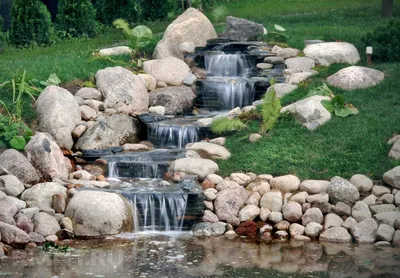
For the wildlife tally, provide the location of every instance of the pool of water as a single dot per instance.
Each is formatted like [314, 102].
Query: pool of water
[181, 255]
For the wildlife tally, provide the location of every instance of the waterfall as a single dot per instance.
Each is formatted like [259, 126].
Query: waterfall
[171, 136]
[230, 65]
[158, 211]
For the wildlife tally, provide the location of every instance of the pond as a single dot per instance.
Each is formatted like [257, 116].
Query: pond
[181, 255]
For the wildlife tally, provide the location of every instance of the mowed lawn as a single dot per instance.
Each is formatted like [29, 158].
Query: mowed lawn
[344, 146]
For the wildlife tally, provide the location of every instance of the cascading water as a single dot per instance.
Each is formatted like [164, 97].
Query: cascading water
[158, 211]
[227, 84]
[167, 136]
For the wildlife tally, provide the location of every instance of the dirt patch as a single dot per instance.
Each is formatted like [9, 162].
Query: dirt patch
[73, 87]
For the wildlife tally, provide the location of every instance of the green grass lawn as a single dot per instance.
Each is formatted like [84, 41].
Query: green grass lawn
[344, 146]
[356, 144]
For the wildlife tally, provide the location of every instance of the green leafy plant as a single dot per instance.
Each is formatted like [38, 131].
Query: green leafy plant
[20, 89]
[337, 105]
[52, 80]
[323, 90]
[13, 134]
[110, 10]
[30, 23]
[52, 247]
[277, 35]
[139, 37]
[270, 111]
[77, 18]
[225, 124]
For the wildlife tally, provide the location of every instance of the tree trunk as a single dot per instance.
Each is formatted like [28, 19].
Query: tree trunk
[387, 8]
[5, 13]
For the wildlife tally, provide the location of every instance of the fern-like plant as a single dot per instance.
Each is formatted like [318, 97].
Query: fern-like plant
[270, 110]
[139, 37]
[225, 124]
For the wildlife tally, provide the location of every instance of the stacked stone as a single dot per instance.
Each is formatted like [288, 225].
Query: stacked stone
[283, 207]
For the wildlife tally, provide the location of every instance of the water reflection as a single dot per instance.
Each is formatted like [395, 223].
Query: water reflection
[184, 256]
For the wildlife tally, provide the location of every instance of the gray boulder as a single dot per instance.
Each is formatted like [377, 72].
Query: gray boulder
[332, 220]
[361, 211]
[40, 195]
[299, 64]
[11, 235]
[95, 213]
[392, 177]
[239, 29]
[365, 231]
[89, 93]
[7, 207]
[191, 26]
[202, 229]
[210, 150]
[385, 232]
[395, 150]
[389, 217]
[45, 224]
[282, 89]
[313, 229]
[218, 228]
[18, 165]
[11, 185]
[292, 211]
[118, 50]
[382, 208]
[329, 53]
[46, 156]
[287, 183]
[176, 99]
[335, 234]
[171, 70]
[122, 90]
[195, 166]
[249, 212]
[109, 131]
[314, 186]
[209, 216]
[312, 215]
[356, 77]
[228, 204]
[340, 190]
[309, 112]
[361, 182]
[58, 114]
[272, 200]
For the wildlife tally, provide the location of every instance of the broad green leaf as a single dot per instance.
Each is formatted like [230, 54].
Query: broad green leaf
[338, 101]
[279, 28]
[328, 105]
[18, 142]
[142, 31]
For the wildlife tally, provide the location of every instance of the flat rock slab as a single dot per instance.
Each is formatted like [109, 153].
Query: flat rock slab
[355, 77]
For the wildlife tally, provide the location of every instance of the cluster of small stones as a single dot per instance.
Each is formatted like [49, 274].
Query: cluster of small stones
[283, 207]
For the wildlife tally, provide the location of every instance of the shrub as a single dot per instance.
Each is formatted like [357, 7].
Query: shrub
[30, 23]
[139, 37]
[154, 9]
[110, 10]
[386, 42]
[77, 18]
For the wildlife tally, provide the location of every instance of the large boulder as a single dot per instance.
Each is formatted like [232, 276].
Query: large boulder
[95, 213]
[287, 183]
[272, 200]
[58, 114]
[335, 234]
[210, 150]
[299, 64]
[340, 190]
[292, 212]
[170, 70]
[365, 231]
[314, 186]
[11, 185]
[109, 131]
[309, 112]
[11, 235]
[45, 224]
[282, 89]
[240, 29]
[392, 177]
[355, 77]
[329, 53]
[18, 165]
[191, 26]
[176, 99]
[195, 166]
[46, 156]
[228, 204]
[122, 90]
[41, 194]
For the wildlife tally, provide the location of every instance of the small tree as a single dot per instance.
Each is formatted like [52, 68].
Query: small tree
[31, 22]
[77, 18]
[110, 10]
[387, 8]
